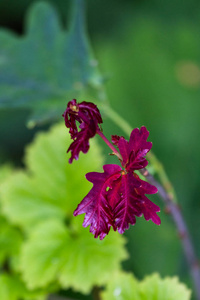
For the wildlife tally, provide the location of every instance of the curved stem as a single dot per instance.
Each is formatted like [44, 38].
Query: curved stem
[182, 229]
[109, 144]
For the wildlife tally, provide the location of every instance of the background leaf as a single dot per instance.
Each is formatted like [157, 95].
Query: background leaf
[50, 187]
[12, 288]
[123, 286]
[153, 287]
[48, 65]
[70, 255]
[10, 240]
[10, 237]
[41, 200]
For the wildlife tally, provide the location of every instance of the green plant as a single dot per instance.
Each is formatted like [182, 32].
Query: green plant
[44, 249]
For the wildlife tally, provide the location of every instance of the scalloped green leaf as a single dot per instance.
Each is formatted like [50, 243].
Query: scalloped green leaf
[48, 65]
[50, 187]
[123, 286]
[70, 255]
[41, 200]
[170, 288]
[12, 288]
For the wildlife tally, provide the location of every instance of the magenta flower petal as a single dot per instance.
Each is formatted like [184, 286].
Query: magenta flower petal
[98, 213]
[115, 200]
[138, 139]
[149, 210]
[123, 146]
[126, 210]
[138, 147]
[133, 202]
[71, 116]
[89, 110]
[146, 187]
[81, 142]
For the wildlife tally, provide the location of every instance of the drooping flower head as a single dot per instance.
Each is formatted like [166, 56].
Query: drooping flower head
[118, 194]
[88, 116]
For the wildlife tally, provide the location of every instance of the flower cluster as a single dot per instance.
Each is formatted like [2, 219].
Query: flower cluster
[118, 194]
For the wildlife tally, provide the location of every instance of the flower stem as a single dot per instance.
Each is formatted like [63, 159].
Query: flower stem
[182, 229]
[109, 144]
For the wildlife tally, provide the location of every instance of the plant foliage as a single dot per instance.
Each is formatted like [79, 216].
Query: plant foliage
[40, 200]
[47, 65]
[43, 248]
[124, 286]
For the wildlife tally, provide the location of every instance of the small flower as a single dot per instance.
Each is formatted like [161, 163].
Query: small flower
[118, 195]
[88, 116]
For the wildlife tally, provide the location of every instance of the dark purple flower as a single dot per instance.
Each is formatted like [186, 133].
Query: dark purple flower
[118, 195]
[88, 116]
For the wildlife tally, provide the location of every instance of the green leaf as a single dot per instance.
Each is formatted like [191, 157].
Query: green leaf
[70, 255]
[124, 286]
[12, 288]
[10, 240]
[10, 237]
[41, 200]
[5, 171]
[50, 187]
[48, 66]
[169, 288]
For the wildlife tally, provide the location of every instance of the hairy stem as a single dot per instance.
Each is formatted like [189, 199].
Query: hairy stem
[182, 229]
[109, 144]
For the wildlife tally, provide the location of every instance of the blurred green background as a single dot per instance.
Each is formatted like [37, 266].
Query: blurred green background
[149, 54]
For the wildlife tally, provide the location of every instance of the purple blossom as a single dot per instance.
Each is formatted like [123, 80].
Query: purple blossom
[118, 195]
[88, 116]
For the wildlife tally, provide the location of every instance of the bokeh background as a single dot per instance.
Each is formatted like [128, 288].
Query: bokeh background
[149, 55]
